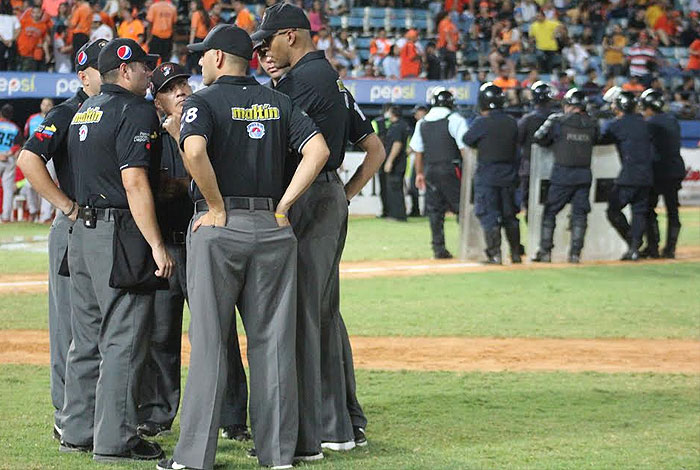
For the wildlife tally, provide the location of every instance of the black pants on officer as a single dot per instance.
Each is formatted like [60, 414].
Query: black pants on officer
[558, 196]
[525, 193]
[638, 198]
[414, 194]
[495, 207]
[395, 200]
[441, 195]
[669, 191]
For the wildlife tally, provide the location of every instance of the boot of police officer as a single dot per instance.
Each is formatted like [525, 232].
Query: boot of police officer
[49, 143]
[494, 134]
[437, 143]
[631, 135]
[542, 95]
[572, 136]
[669, 171]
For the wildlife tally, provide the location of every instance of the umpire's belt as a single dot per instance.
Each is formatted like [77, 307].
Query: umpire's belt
[327, 176]
[101, 214]
[247, 203]
[176, 238]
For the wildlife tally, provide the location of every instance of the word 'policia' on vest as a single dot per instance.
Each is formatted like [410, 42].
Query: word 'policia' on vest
[257, 112]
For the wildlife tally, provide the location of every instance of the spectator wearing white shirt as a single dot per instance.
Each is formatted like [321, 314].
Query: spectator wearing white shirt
[391, 65]
[100, 30]
[9, 30]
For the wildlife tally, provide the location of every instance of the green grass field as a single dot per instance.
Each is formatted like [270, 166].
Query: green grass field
[445, 420]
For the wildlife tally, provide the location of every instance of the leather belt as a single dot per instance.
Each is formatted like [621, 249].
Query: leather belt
[247, 203]
[104, 215]
[177, 238]
[327, 176]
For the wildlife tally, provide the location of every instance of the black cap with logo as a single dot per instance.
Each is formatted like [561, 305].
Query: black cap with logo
[88, 54]
[281, 16]
[228, 38]
[164, 74]
[123, 51]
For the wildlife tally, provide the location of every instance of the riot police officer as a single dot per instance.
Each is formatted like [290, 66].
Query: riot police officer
[572, 136]
[495, 135]
[542, 94]
[439, 148]
[395, 165]
[669, 171]
[630, 134]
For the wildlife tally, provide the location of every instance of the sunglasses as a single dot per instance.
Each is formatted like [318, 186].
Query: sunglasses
[268, 41]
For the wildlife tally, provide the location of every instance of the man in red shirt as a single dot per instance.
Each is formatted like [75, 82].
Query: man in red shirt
[694, 59]
[33, 40]
[447, 45]
[410, 59]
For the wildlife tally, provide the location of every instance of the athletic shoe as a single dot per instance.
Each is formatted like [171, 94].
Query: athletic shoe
[71, 448]
[237, 432]
[360, 438]
[251, 453]
[57, 433]
[143, 450]
[442, 254]
[280, 467]
[338, 446]
[151, 429]
[308, 457]
[170, 464]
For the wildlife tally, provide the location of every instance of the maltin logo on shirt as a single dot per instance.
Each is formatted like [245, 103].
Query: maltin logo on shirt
[90, 115]
[256, 130]
[257, 112]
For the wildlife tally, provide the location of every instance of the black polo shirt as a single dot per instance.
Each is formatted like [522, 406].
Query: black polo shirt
[174, 206]
[249, 129]
[50, 142]
[110, 132]
[400, 132]
[317, 89]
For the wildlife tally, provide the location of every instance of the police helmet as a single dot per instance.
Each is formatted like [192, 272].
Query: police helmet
[443, 98]
[625, 102]
[576, 98]
[491, 97]
[542, 92]
[652, 99]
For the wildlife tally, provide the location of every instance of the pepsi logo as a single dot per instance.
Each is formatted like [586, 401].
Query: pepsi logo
[124, 52]
[82, 58]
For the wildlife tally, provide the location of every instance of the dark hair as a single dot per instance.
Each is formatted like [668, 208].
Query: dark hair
[395, 111]
[202, 11]
[7, 111]
[6, 8]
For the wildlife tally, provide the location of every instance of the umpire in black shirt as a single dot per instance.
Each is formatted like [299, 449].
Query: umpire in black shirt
[669, 171]
[320, 224]
[395, 142]
[630, 134]
[117, 257]
[572, 136]
[241, 249]
[495, 135]
[50, 143]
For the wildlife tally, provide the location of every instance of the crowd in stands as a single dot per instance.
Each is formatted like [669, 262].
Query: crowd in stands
[591, 43]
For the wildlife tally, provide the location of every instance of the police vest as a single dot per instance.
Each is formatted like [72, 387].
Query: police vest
[440, 147]
[574, 145]
[499, 144]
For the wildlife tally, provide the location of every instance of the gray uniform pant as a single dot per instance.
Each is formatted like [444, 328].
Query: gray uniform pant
[159, 396]
[234, 410]
[250, 262]
[319, 218]
[7, 172]
[110, 342]
[60, 335]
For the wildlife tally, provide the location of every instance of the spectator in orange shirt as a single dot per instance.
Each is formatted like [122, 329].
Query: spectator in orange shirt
[447, 44]
[244, 18]
[130, 27]
[81, 25]
[457, 5]
[634, 85]
[161, 16]
[33, 40]
[410, 58]
[200, 24]
[694, 56]
[379, 47]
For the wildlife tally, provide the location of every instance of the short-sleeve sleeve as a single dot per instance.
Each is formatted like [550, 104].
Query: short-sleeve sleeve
[417, 139]
[47, 138]
[301, 129]
[197, 119]
[136, 135]
[360, 126]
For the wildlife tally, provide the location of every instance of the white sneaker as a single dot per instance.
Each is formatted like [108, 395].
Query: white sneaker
[338, 446]
[281, 466]
[308, 458]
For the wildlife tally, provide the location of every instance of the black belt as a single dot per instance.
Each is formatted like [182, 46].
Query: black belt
[247, 203]
[176, 238]
[100, 214]
[327, 176]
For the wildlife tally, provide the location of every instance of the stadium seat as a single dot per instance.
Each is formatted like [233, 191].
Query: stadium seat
[357, 13]
[421, 25]
[397, 23]
[399, 12]
[336, 22]
[377, 22]
[363, 42]
[364, 54]
[419, 14]
[667, 51]
[377, 12]
[355, 23]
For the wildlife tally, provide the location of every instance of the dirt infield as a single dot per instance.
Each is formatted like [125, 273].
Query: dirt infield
[458, 354]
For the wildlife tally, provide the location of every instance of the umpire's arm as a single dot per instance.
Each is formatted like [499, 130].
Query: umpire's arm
[198, 164]
[373, 160]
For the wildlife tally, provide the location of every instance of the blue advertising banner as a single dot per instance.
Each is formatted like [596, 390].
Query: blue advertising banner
[55, 85]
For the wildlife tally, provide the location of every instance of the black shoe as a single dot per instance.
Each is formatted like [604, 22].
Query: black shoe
[57, 432]
[631, 255]
[237, 432]
[414, 214]
[543, 257]
[649, 252]
[143, 450]
[574, 259]
[71, 448]
[251, 453]
[442, 254]
[170, 464]
[668, 254]
[516, 259]
[493, 259]
[360, 438]
[151, 429]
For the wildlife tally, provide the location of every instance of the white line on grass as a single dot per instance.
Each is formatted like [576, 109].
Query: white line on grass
[415, 267]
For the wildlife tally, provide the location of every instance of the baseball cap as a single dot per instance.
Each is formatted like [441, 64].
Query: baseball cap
[281, 16]
[227, 38]
[88, 54]
[123, 51]
[165, 73]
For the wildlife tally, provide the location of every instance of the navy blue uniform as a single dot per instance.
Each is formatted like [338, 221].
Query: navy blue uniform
[669, 171]
[632, 137]
[394, 199]
[572, 137]
[527, 126]
[495, 136]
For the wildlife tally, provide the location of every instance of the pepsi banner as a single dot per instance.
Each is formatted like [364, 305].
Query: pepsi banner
[54, 85]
